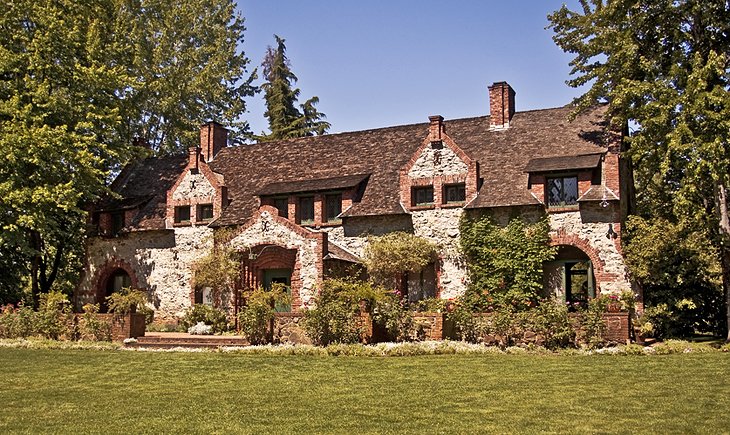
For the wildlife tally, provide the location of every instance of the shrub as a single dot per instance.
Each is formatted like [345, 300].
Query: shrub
[55, 318]
[394, 316]
[431, 305]
[126, 301]
[255, 319]
[213, 317]
[18, 322]
[336, 316]
[91, 327]
[592, 326]
[200, 328]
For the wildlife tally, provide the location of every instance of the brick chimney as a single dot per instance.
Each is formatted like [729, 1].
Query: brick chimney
[436, 128]
[213, 138]
[501, 105]
[193, 159]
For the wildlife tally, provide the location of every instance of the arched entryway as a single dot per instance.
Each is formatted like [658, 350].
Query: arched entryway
[570, 276]
[265, 265]
[115, 282]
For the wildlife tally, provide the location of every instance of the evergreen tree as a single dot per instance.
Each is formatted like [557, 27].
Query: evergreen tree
[285, 119]
[665, 65]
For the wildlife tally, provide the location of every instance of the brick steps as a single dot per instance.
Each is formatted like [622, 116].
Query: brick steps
[172, 340]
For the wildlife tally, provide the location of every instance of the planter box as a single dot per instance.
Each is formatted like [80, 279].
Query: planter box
[126, 326]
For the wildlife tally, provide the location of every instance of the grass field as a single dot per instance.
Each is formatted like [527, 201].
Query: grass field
[66, 391]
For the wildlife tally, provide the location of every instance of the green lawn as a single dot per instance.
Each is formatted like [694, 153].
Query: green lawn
[64, 391]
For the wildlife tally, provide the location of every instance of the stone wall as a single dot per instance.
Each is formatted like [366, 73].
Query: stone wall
[194, 186]
[437, 161]
[161, 262]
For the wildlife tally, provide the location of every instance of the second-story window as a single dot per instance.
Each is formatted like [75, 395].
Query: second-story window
[305, 211]
[333, 207]
[182, 214]
[562, 191]
[454, 193]
[117, 222]
[282, 204]
[205, 212]
[422, 196]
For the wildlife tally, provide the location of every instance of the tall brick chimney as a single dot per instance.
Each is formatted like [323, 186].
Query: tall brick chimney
[213, 138]
[501, 105]
[193, 158]
[436, 127]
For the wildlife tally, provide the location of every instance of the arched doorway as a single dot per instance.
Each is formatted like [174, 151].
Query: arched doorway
[265, 265]
[570, 277]
[117, 280]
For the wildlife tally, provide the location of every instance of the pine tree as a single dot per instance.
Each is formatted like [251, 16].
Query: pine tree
[285, 119]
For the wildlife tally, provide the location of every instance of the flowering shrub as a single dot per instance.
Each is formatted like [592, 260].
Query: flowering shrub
[335, 318]
[208, 315]
[55, 319]
[126, 301]
[200, 328]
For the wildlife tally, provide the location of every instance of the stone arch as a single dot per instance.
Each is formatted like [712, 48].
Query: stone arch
[107, 271]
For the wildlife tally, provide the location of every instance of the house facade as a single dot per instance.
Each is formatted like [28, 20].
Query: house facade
[300, 210]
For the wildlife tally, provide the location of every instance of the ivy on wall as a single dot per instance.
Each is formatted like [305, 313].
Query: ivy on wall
[504, 263]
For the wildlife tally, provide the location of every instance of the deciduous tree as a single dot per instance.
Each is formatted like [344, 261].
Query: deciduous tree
[664, 65]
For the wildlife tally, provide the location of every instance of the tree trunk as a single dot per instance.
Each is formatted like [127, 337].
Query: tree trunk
[724, 228]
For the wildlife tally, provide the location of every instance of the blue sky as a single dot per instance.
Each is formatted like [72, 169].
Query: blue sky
[382, 63]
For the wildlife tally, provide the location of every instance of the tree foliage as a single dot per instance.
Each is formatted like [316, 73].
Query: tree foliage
[504, 263]
[389, 256]
[188, 67]
[286, 120]
[78, 80]
[665, 66]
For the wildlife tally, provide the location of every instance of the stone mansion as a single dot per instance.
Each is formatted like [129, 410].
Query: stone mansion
[300, 209]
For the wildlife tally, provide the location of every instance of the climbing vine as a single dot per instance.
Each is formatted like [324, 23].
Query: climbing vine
[505, 263]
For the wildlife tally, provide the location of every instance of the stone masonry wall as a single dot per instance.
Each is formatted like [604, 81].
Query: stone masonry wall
[194, 186]
[442, 161]
[161, 261]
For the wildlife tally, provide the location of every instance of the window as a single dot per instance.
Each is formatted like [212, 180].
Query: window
[282, 204]
[117, 222]
[562, 192]
[182, 214]
[422, 195]
[333, 204]
[306, 209]
[205, 212]
[454, 193]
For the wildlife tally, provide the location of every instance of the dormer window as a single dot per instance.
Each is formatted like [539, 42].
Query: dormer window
[333, 207]
[454, 193]
[182, 214]
[305, 210]
[422, 196]
[562, 191]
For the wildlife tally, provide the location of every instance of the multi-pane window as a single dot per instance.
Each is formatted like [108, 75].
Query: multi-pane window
[306, 209]
[182, 214]
[282, 204]
[454, 193]
[562, 191]
[422, 195]
[333, 207]
[205, 212]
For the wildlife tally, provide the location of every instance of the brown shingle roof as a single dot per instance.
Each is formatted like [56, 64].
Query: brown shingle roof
[291, 165]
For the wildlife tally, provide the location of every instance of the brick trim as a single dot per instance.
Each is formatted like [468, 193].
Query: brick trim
[104, 273]
[563, 238]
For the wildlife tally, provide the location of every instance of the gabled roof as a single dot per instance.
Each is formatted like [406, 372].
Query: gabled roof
[342, 160]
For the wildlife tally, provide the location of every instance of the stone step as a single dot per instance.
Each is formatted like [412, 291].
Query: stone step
[170, 340]
[189, 345]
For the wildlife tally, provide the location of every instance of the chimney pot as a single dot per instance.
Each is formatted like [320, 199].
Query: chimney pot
[213, 138]
[501, 105]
